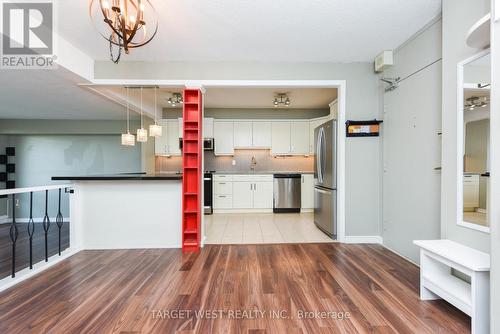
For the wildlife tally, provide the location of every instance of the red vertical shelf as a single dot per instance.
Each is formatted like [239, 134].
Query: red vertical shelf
[192, 174]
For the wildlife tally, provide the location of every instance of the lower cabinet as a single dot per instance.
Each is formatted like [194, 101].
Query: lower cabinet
[307, 192]
[244, 191]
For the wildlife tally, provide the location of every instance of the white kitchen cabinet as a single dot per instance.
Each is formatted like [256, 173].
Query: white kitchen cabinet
[261, 134]
[471, 191]
[224, 137]
[263, 195]
[208, 127]
[242, 195]
[307, 192]
[223, 192]
[299, 138]
[223, 202]
[168, 142]
[280, 138]
[173, 137]
[181, 127]
[243, 134]
[161, 144]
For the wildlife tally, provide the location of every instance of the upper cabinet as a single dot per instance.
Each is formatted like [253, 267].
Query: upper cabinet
[224, 137]
[168, 142]
[243, 134]
[208, 127]
[252, 134]
[280, 137]
[299, 137]
[261, 134]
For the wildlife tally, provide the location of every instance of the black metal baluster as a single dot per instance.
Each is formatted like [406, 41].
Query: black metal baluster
[13, 235]
[46, 225]
[31, 229]
[59, 221]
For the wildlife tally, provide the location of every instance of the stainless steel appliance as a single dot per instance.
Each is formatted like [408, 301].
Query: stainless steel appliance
[325, 177]
[208, 195]
[287, 193]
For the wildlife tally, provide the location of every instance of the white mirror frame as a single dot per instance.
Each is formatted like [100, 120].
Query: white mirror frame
[460, 144]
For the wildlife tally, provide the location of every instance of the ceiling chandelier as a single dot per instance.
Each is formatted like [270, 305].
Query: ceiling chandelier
[175, 99]
[125, 21]
[474, 102]
[281, 99]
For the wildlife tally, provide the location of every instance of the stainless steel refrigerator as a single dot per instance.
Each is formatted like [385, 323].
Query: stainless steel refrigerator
[325, 178]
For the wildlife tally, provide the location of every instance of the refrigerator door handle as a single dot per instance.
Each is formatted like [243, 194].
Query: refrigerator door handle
[319, 154]
[327, 192]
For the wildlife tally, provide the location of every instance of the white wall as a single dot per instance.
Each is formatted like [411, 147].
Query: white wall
[458, 17]
[363, 170]
[412, 148]
[495, 172]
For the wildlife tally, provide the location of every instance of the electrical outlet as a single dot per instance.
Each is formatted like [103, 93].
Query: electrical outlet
[233, 162]
[17, 203]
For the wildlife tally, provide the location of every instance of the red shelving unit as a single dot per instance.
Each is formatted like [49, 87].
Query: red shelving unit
[192, 174]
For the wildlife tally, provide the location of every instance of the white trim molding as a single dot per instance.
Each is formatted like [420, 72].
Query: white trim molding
[26, 273]
[363, 239]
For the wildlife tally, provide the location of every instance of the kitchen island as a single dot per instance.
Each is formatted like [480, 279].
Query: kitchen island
[125, 211]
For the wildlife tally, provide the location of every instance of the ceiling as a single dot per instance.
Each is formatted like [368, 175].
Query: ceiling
[301, 98]
[44, 94]
[262, 30]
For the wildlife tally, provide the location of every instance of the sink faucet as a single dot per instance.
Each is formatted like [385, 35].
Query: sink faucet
[254, 163]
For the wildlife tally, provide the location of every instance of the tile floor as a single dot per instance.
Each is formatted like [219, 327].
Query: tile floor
[262, 228]
[476, 218]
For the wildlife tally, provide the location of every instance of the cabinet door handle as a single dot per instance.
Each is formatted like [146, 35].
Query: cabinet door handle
[222, 182]
[255, 186]
[221, 196]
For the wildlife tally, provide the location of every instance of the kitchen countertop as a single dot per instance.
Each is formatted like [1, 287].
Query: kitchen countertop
[125, 176]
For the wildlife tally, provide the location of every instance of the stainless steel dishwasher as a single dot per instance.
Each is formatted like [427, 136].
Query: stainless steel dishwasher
[287, 193]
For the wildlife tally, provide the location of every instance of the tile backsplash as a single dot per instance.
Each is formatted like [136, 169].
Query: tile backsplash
[243, 159]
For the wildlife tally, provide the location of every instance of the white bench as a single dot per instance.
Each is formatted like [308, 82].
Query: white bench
[437, 259]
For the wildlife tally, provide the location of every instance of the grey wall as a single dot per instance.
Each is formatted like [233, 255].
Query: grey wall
[39, 157]
[495, 181]
[476, 146]
[250, 113]
[458, 17]
[412, 147]
[363, 170]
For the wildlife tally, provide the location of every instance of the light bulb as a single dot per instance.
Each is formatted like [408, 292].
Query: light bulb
[105, 5]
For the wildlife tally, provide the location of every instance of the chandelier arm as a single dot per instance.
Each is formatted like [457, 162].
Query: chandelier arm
[133, 45]
[136, 24]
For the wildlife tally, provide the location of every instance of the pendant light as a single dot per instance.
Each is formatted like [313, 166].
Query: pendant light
[155, 129]
[142, 134]
[128, 139]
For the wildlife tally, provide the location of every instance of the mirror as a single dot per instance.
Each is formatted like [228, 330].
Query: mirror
[474, 148]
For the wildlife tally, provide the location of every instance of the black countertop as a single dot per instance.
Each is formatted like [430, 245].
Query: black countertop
[113, 177]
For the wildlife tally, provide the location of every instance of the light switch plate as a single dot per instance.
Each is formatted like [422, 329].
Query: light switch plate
[233, 162]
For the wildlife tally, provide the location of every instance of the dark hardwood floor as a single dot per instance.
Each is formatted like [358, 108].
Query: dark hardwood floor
[122, 291]
[22, 245]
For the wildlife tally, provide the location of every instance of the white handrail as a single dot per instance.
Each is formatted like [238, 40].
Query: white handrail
[34, 189]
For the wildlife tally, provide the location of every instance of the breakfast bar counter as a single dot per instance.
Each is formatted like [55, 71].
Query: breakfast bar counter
[126, 211]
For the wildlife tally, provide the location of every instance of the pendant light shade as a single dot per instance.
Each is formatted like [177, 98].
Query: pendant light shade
[155, 130]
[142, 134]
[128, 139]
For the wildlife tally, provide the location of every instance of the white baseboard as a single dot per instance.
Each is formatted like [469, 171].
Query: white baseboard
[128, 246]
[363, 239]
[4, 219]
[26, 273]
[479, 210]
[306, 210]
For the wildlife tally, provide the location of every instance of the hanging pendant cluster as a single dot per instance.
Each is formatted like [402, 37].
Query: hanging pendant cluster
[155, 130]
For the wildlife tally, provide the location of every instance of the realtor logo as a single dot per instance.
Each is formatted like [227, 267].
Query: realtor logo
[27, 34]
